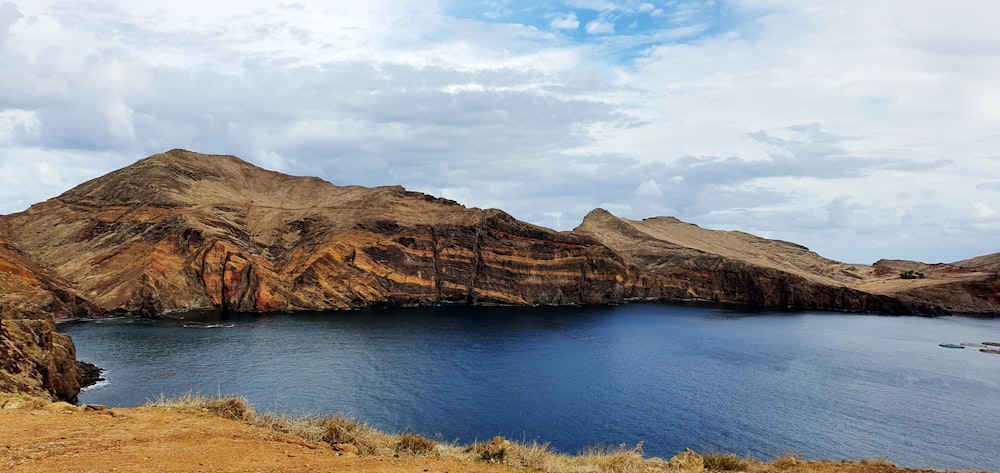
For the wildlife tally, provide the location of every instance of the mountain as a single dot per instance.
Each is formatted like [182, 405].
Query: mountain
[182, 230]
[732, 266]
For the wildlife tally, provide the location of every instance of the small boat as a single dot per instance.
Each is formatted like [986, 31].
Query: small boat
[950, 345]
[992, 344]
[988, 350]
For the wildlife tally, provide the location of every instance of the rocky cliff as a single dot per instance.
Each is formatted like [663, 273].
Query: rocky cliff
[684, 261]
[182, 230]
[34, 358]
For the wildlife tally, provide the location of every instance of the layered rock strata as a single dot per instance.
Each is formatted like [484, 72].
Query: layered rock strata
[182, 230]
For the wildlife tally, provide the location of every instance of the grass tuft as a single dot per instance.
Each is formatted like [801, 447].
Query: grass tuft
[415, 445]
[729, 462]
[231, 407]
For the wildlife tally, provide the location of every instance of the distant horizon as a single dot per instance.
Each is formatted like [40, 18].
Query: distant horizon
[860, 131]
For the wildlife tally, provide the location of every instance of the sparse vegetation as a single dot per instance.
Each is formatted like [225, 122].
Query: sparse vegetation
[911, 275]
[348, 435]
[22, 401]
[729, 462]
[337, 431]
[415, 445]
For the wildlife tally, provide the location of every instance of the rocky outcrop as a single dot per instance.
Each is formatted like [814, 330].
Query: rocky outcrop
[34, 358]
[90, 374]
[182, 230]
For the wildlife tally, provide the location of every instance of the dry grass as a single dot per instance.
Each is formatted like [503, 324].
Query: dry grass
[730, 462]
[232, 407]
[22, 401]
[529, 457]
[332, 430]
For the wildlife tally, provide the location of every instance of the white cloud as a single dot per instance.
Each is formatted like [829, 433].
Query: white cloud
[15, 122]
[841, 124]
[600, 26]
[982, 210]
[649, 188]
[596, 5]
[565, 21]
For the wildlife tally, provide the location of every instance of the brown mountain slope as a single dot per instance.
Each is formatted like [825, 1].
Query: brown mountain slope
[182, 230]
[738, 267]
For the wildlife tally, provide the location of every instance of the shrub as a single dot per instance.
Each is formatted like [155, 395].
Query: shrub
[785, 462]
[491, 451]
[535, 456]
[232, 407]
[339, 429]
[726, 462]
[615, 460]
[412, 444]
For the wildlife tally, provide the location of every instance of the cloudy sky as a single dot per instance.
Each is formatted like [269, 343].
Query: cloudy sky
[861, 129]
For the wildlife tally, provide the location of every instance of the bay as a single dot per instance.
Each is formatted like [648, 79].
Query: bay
[763, 384]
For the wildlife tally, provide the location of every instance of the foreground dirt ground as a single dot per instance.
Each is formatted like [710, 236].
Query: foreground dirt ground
[59, 437]
[170, 440]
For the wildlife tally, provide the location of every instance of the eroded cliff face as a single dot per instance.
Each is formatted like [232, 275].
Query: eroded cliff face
[678, 260]
[186, 231]
[34, 358]
[182, 230]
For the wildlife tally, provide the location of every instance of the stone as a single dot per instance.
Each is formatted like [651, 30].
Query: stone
[345, 448]
[61, 406]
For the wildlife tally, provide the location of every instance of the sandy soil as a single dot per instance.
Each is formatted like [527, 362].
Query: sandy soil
[165, 440]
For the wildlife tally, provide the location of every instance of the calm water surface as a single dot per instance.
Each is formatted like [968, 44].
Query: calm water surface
[762, 384]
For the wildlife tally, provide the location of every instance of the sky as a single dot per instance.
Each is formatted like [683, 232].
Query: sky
[860, 129]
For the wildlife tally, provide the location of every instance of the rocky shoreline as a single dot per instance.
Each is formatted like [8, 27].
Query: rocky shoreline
[90, 374]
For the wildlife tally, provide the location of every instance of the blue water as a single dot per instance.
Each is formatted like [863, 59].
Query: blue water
[827, 386]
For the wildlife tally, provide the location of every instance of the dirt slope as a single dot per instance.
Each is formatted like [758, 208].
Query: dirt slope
[60, 437]
[162, 440]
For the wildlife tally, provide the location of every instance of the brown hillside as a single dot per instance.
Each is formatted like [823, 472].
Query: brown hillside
[719, 265]
[183, 230]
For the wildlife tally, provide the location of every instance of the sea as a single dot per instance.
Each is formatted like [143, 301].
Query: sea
[711, 378]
